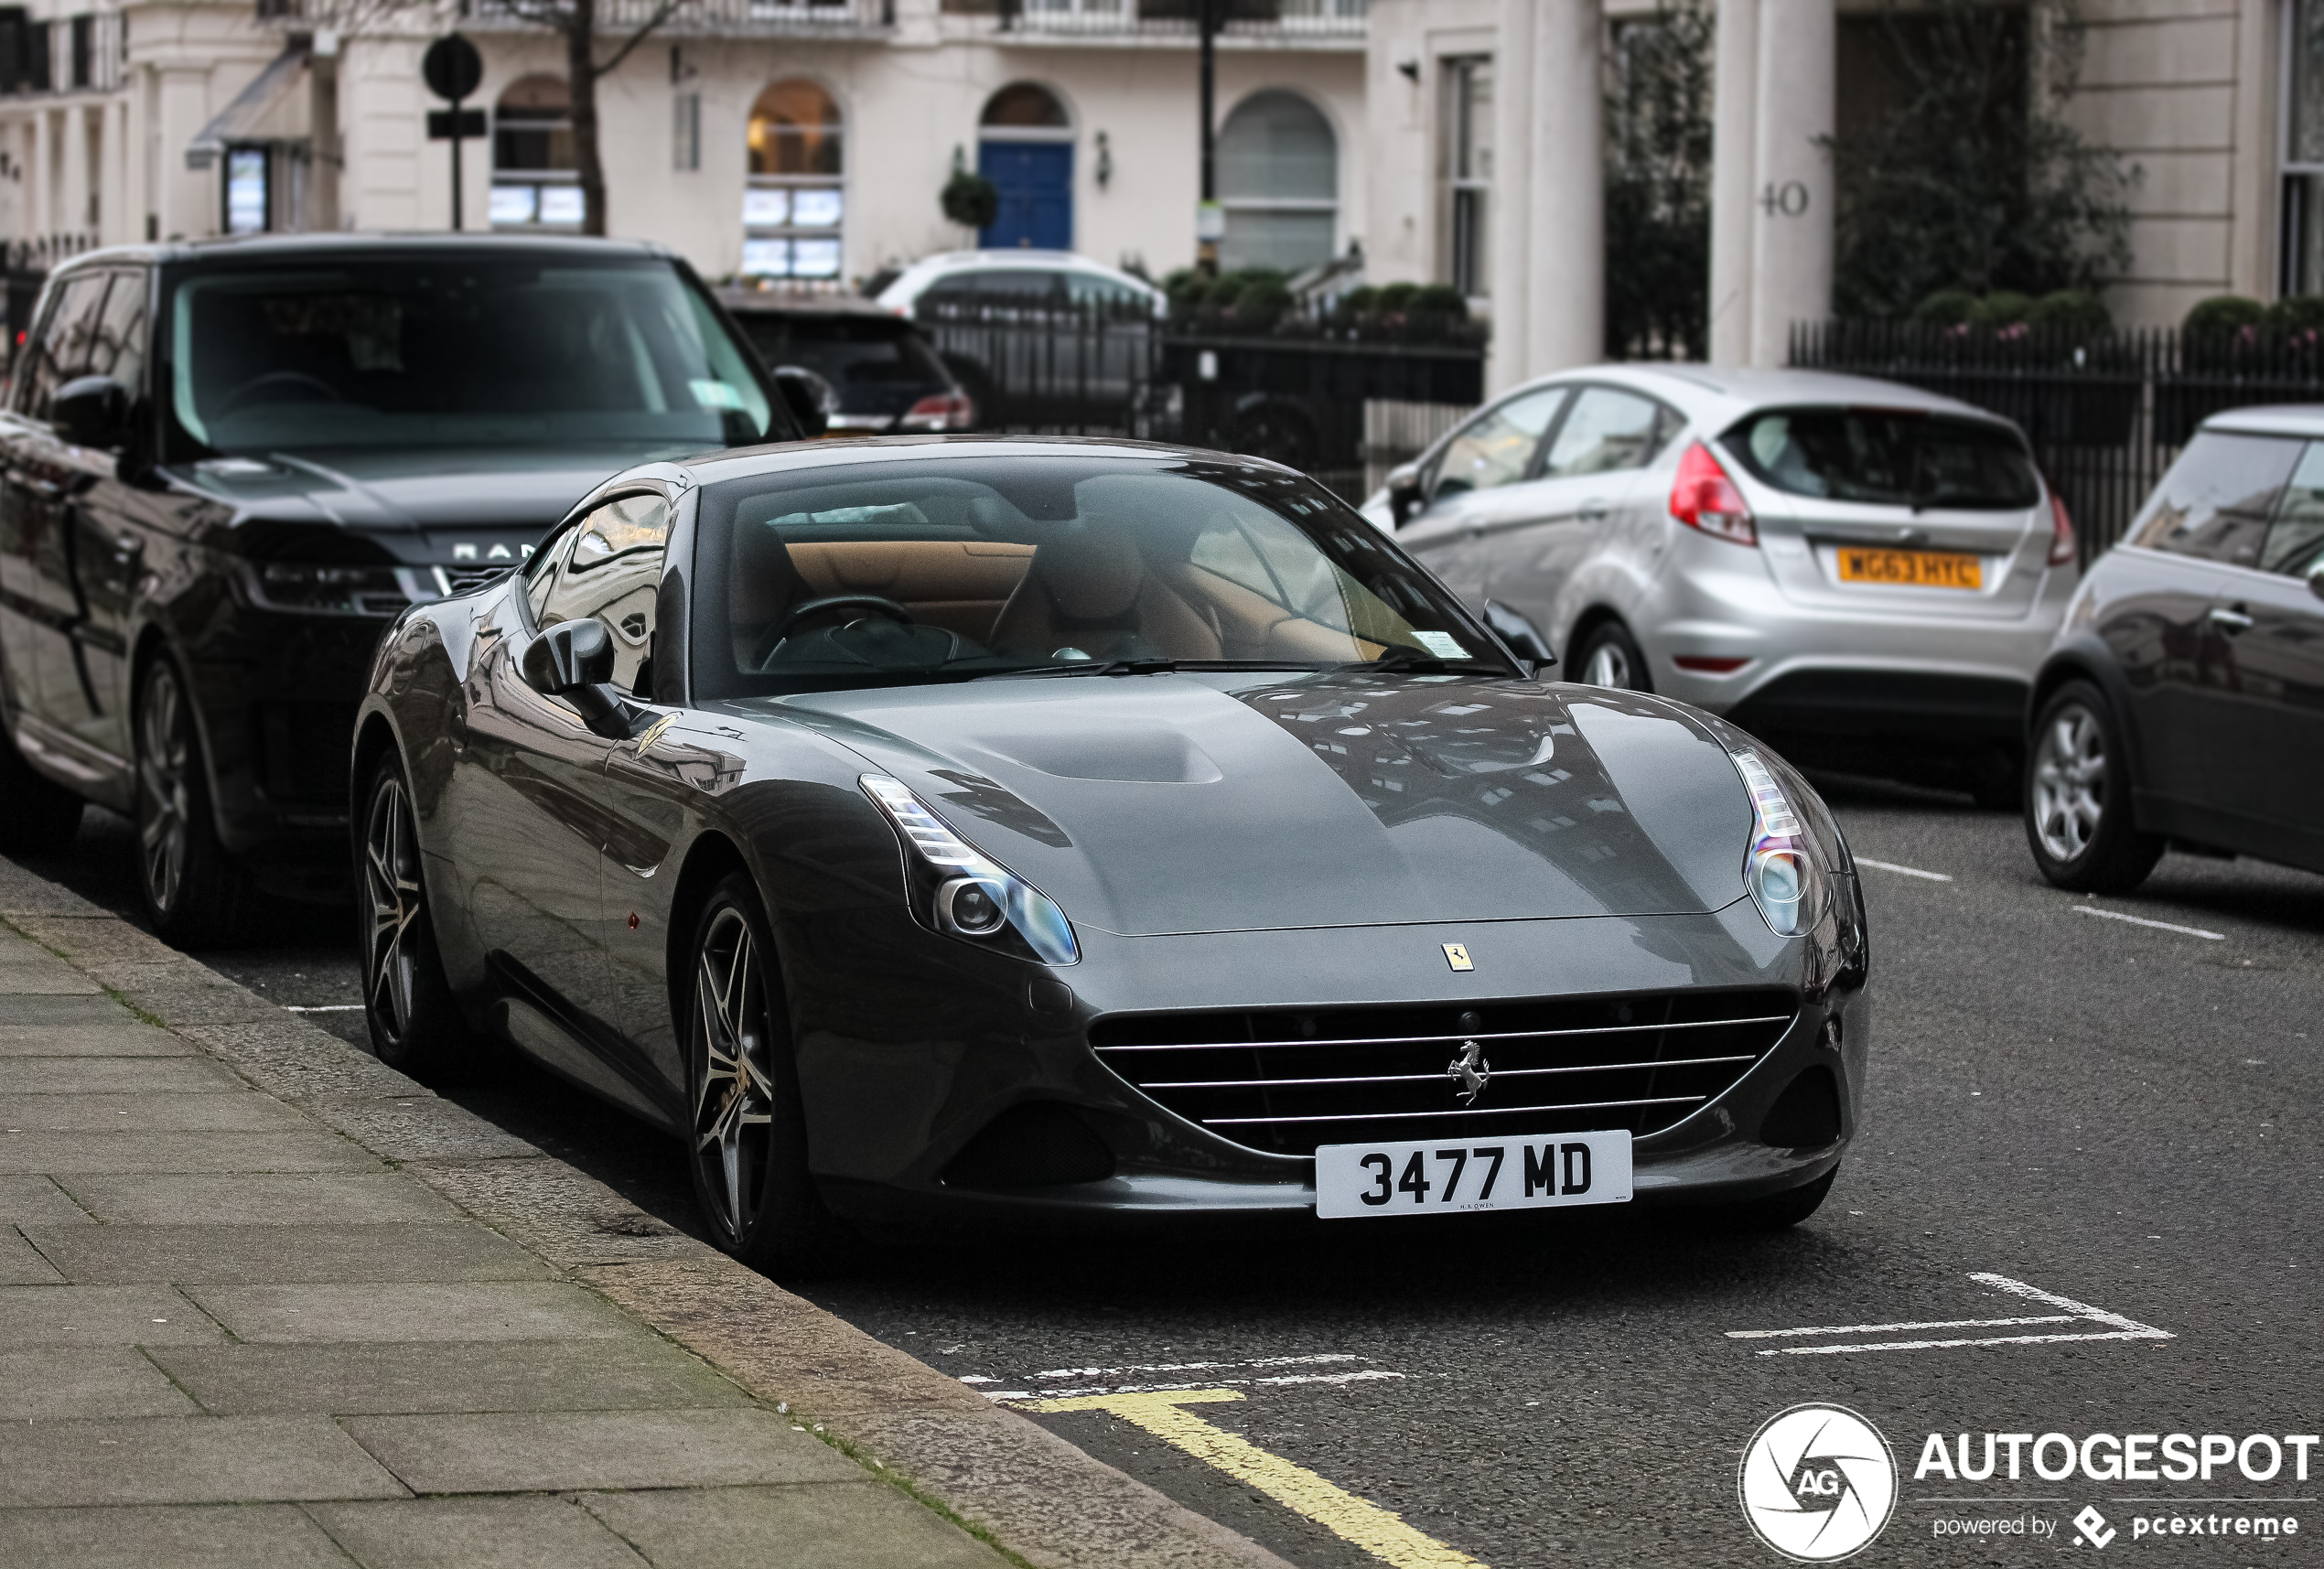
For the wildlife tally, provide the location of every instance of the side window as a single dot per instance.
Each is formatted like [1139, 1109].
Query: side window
[613, 573]
[117, 349]
[61, 351]
[1497, 447]
[1087, 289]
[541, 573]
[2294, 544]
[1605, 431]
[2216, 501]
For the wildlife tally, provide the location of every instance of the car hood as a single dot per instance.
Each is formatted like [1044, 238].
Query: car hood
[1153, 804]
[391, 491]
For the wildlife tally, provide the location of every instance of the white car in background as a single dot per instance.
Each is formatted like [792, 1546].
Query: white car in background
[1866, 574]
[1016, 276]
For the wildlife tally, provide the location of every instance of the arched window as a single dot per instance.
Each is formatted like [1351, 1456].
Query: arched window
[1279, 182]
[791, 211]
[1025, 147]
[533, 178]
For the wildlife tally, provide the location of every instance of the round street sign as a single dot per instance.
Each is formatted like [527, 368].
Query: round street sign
[452, 67]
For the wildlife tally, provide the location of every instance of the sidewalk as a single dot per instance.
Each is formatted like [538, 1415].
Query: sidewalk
[266, 1302]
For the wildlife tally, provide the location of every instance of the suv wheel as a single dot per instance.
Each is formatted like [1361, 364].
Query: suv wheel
[2077, 800]
[747, 1141]
[1610, 656]
[415, 1023]
[193, 889]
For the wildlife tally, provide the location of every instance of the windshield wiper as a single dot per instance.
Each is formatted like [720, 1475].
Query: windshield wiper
[1142, 667]
[1403, 659]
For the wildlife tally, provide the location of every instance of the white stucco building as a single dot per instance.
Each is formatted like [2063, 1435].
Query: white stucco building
[1454, 140]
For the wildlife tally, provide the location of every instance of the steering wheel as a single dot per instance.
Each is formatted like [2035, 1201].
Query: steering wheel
[282, 379]
[804, 611]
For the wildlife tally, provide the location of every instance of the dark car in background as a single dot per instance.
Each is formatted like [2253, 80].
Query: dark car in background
[224, 468]
[885, 377]
[2184, 701]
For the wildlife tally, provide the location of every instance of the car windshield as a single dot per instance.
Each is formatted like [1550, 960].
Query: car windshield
[1895, 458]
[848, 351]
[959, 567]
[437, 350]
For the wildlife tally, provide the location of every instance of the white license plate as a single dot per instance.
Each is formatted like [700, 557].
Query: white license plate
[1447, 1177]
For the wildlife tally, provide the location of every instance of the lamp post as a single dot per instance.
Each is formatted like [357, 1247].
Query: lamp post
[1209, 218]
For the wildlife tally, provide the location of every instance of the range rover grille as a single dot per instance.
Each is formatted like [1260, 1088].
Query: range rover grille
[1287, 1080]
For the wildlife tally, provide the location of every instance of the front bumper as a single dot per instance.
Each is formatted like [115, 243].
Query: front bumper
[889, 1119]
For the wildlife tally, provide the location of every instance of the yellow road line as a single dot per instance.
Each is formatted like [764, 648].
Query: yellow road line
[1379, 1533]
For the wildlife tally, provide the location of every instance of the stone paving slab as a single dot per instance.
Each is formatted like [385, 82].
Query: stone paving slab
[101, 1075]
[52, 978]
[105, 1039]
[481, 1534]
[234, 1111]
[62, 1155]
[751, 1528]
[35, 1012]
[285, 1255]
[20, 1266]
[186, 1460]
[34, 1200]
[642, 1373]
[259, 1199]
[57, 1384]
[212, 1536]
[401, 1311]
[562, 1451]
[101, 1316]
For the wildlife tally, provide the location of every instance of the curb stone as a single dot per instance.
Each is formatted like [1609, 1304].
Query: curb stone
[1011, 1481]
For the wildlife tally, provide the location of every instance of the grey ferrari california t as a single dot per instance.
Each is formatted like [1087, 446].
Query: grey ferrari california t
[960, 829]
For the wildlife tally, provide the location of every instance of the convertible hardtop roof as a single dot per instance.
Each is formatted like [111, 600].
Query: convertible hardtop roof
[733, 463]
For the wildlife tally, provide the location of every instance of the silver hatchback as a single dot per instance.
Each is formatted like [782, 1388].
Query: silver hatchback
[1862, 574]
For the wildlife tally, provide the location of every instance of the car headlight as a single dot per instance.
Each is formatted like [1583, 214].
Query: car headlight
[1799, 870]
[957, 889]
[324, 589]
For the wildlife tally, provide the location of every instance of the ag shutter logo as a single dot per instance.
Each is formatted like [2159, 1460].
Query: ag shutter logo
[1817, 1483]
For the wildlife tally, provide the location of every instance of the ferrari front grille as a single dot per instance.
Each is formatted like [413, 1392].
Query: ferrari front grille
[1285, 1082]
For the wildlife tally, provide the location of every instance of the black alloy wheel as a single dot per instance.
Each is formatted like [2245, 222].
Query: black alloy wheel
[2077, 798]
[37, 814]
[747, 1142]
[415, 1023]
[192, 887]
[1610, 656]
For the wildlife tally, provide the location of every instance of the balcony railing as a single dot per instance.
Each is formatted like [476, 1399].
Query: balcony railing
[722, 18]
[1280, 21]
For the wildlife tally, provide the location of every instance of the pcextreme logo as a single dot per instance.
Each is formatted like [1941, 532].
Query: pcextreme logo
[1817, 1483]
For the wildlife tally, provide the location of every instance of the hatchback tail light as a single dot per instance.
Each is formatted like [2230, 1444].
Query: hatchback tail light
[941, 411]
[1704, 497]
[2061, 532]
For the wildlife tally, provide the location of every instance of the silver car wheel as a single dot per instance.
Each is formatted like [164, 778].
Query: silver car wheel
[164, 808]
[392, 883]
[1609, 665]
[2070, 782]
[733, 1106]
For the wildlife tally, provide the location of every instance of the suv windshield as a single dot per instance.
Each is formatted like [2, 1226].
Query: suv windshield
[1894, 458]
[445, 350]
[912, 571]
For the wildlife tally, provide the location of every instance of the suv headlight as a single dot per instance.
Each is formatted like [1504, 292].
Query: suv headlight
[1798, 869]
[328, 589]
[957, 889]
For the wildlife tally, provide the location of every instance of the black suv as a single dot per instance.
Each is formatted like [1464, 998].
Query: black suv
[225, 466]
[2184, 700]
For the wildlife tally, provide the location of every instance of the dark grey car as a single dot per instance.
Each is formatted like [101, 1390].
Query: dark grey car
[1052, 829]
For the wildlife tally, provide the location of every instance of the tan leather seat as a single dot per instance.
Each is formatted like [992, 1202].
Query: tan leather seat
[1091, 590]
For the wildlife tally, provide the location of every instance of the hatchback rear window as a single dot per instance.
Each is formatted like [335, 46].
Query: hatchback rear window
[849, 350]
[1894, 458]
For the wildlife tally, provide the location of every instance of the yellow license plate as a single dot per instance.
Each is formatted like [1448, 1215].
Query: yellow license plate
[1913, 568]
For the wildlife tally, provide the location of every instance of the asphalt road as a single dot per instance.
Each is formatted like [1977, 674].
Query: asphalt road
[2119, 1114]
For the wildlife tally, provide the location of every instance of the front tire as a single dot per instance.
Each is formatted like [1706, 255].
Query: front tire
[415, 1025]
[2077, 798]
[747, 1145]
[1610, 656]
[194, 890]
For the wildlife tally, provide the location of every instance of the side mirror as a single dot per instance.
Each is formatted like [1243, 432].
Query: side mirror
[574, 660]
[2316, 580]
[91, 410]
[1515, 629]
[813, 401]
[1404, 492]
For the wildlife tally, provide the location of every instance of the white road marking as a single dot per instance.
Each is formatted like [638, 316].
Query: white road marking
[2158, 925]
[1065, 1383]
[2115, 1328]
[1904, 871]
[324, 1008]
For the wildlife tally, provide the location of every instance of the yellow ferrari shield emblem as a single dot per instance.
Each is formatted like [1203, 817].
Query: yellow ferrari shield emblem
[1457, 955]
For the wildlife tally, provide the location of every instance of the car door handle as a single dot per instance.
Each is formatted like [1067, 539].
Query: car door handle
[1591, 511]
[2230, 621]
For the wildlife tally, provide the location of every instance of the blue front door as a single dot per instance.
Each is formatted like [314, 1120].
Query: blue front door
[1036, 183]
